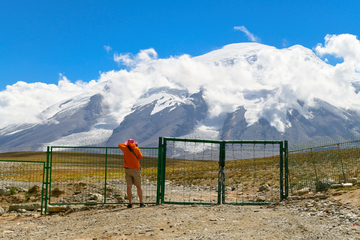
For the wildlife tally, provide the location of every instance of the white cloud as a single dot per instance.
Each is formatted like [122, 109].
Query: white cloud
[250, 36]
[345, 46]
[23, 102]
[265, 80]
[124, 59]
[130, 61]
[107, 48]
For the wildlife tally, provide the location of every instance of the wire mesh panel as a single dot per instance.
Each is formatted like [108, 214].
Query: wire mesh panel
[21, 182]
[94, 175]
[191, 171]
[252, 172]
[214, 172]
[319, 167]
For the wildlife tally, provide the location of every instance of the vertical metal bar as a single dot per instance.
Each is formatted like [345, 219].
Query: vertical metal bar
[281, 172]
[105, 175]
[158, 193]
[219, 181]
[47, 178]
[163, 170]
[50, 174]
[223, 144]
[221, 192]
[42, 189]
[286, 169]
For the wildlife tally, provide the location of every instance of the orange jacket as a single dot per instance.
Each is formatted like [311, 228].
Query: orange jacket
[130, 160]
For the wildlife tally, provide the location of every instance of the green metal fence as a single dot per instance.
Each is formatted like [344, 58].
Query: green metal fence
[95, 175]
[184, 171]
[188, 171]
[324, 163]
[214, 172]
[21, 182]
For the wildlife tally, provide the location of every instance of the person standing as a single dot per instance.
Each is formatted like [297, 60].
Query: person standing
[132, 155]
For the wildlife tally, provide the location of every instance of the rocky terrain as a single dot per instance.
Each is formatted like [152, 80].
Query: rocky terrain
[333, 215]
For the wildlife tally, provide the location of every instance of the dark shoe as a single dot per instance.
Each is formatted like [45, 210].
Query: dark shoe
[129, 205]
[142, 205]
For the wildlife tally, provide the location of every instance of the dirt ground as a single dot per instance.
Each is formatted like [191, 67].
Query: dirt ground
[285, 220]
[347, 196]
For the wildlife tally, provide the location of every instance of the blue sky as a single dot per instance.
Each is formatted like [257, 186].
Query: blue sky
[41, 39]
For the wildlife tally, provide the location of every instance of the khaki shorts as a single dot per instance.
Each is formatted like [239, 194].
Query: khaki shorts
[133, 176]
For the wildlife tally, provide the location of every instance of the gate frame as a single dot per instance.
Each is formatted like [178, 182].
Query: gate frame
[283, 155]
[160, 198]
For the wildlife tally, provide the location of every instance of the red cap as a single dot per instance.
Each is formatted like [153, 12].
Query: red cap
[130, 141]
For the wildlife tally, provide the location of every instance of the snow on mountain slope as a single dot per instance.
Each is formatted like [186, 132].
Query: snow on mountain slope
[202, 131]
[164, 98]
[180, 113]
[98, 133]
[74, 126]
[93, 137]
[14, 128]
[68, 106]
[233, 53]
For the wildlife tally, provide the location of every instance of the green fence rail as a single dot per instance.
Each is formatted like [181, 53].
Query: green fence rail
[324, 163]
[215, 172]
[21, 182]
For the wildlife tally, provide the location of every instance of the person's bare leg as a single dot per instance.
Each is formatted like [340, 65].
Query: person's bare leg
[140, 193]
[129, 193]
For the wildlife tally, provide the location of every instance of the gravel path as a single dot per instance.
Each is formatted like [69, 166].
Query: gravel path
[310, 218]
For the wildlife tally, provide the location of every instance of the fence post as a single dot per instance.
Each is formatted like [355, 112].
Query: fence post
[221, 181]
[286, 169]
[106, 152]
[159, 181]
[163, 170]
[47, 178]
[43, 189]
[281, 172]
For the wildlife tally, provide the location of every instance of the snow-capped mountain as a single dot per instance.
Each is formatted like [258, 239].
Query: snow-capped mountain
[245, 91]
[73, 121]
[161, 112]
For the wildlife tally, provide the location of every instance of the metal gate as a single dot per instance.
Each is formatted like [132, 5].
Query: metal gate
[194, 171]
[95, 175]
[179, 171]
